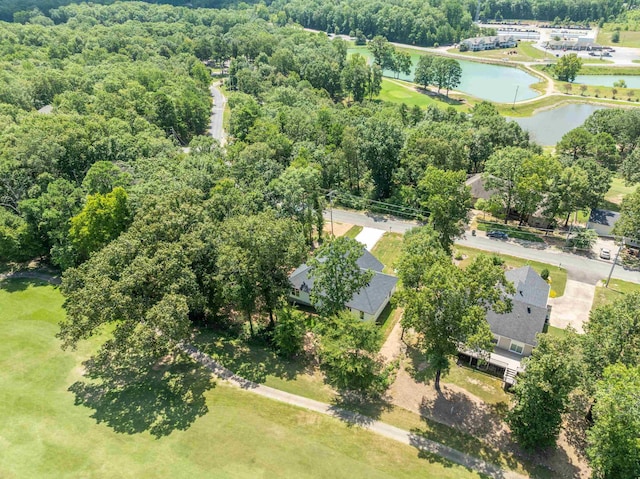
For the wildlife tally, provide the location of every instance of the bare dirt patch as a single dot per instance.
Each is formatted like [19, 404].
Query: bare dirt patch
[339, 229]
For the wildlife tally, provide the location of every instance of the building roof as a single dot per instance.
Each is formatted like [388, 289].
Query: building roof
[370, 298]
[46, 110]
[603, 221]
[529, 310]
[476, 184]
[491, 39]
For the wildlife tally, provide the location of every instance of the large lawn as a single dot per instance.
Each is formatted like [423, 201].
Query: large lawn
[617, 192]
[399, 91]
[204, 431]
[627, 38]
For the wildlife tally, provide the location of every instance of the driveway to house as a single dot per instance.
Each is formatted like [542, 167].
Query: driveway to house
[573, 307]
[578, 267]
[369, 237]
[378, 427]
[216, 129]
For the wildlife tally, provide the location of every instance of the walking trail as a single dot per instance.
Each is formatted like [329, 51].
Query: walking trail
[378, 427]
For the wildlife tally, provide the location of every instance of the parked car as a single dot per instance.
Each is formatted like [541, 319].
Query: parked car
[605, 253]
[497, 234]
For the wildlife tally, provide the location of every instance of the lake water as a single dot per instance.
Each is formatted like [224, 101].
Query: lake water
[632, 81]
[482, 80]
[549, 126]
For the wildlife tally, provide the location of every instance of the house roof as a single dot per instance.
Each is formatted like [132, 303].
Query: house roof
[46, 110]
[370, 298]
[529, 310]
[603, 221]
[476, 184]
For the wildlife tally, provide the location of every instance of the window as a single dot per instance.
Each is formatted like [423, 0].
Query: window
[295, 292]
[495, 339]
[361, 314]
[516, 347]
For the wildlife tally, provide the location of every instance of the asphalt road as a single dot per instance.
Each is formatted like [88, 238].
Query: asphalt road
[580, 268]
[217, 112]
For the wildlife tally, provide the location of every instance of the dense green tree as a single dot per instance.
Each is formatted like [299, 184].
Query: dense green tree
[349, 356]
[381, 141]
[629, 223]
[356, 76]
[567, 67]
[256, 255]
[383, 52]
[612, 335]
[541, 393]
[289, 332]
[447, 200]
[502, 174]
[103, 177]
[102, 219]
[449, 307]
[424, 71]
[401, 63]
[613, 449]
[336, 275]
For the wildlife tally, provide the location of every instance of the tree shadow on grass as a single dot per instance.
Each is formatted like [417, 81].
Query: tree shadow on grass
[253, 362]
[356, 410]
[144, 395]
[22, 283]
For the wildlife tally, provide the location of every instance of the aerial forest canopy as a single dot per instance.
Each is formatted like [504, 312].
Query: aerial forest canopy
[406, 21]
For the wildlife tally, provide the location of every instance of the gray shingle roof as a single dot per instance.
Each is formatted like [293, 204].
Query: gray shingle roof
[529, 311]
[370, 298]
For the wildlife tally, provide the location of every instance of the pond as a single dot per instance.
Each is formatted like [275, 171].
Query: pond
[549, 126]
[482, 80]
[632, 81]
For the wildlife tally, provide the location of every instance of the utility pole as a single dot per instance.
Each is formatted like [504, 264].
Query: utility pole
[615, 260]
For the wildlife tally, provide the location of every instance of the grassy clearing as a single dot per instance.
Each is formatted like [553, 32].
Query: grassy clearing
[513, 231]
[627, 38]
[398, 91]
[353, 232]
[553, 331]
[613, 70]
[617, 289]
[557, 275]
[525, 52]
[486, 387]
[387, 250]
[618, 191]
[388, 319]
[234, 433]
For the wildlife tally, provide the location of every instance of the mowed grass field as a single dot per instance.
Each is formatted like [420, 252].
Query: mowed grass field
[234, 434]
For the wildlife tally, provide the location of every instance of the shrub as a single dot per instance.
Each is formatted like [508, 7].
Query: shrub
[544, 274]
[288, 335]
[497, 260]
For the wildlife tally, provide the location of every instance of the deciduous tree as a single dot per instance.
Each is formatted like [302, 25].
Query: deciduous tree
[336, 275]
[541, 393]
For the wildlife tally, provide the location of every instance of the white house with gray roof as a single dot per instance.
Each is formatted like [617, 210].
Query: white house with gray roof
[367, 304]
[516, 331]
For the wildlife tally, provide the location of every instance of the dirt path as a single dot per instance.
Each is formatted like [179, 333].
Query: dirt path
[378, 427]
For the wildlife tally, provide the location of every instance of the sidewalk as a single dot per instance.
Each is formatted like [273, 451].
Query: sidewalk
[378, 427]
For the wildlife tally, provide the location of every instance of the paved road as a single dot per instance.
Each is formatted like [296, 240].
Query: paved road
[216, 129]
[381, 428]
[580, 268]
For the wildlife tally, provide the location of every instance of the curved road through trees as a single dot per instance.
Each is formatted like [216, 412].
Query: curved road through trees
[216, 125]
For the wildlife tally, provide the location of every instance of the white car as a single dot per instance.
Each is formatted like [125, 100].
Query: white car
[605, 253]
